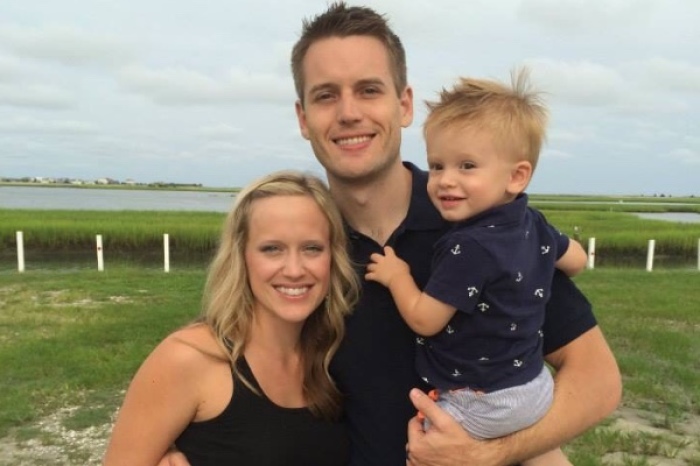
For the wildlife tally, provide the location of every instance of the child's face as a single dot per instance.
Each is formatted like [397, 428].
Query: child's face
[469, 173]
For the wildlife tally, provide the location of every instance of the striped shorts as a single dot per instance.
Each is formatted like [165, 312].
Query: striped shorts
[502, 412]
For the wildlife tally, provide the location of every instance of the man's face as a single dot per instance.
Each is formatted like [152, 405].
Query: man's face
[351, 113]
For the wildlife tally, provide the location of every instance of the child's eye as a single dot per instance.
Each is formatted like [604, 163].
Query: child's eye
[434, 167]
[467, 165]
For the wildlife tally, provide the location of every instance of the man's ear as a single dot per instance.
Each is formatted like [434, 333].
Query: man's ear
[301, 119]
[406, 102]
[520, 176]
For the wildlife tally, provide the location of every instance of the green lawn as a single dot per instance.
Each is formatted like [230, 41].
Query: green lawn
[75, 337]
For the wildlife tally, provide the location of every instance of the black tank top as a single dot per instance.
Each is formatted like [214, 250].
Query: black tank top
[254, 431]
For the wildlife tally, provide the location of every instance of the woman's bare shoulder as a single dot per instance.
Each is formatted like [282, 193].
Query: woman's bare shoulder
[191, 346]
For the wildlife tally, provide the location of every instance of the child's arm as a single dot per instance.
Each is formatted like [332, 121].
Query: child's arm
[424, 314]
[574, 260]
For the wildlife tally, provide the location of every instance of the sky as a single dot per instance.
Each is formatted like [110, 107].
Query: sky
[190, 91]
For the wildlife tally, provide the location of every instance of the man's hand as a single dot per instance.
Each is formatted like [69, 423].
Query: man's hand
[384, 268]
[446, 443]
[173, 458]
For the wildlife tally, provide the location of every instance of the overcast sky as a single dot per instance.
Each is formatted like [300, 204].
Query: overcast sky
[200, 91]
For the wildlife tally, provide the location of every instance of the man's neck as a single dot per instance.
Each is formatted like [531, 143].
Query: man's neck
[376, 208]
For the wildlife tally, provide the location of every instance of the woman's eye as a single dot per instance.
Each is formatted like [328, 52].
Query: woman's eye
[314, 248]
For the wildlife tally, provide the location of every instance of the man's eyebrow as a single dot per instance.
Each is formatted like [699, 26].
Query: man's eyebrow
[371, 81]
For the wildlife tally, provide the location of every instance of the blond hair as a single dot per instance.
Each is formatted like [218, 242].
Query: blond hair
[516, 115]
[228, 299]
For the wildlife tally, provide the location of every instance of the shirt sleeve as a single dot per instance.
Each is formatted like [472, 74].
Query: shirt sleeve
[460, 270]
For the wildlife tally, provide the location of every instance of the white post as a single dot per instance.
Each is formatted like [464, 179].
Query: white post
[100, 259]
[166, 252]
[591, 253]
[20, 252]
[650, 255]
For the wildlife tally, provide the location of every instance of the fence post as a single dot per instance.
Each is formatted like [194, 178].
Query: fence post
[20, 252]
[650, 255]
[698, 254]
[100, 259]
[166, 252]
[591, 253]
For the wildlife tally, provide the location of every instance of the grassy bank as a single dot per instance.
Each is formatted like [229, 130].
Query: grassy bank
[74, 339]
[619, 235]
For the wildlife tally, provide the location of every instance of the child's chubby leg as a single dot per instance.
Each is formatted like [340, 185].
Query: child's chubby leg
[551, 458]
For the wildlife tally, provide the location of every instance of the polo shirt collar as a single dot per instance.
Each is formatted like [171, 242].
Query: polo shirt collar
[422, 214]
[506, 214]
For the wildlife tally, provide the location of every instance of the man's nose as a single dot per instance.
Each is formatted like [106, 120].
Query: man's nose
[348, 109]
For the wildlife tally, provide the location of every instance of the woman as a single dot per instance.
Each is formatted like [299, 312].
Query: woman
[248, 383]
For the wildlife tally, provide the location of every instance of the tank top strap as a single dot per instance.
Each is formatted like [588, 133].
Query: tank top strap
[245, 371]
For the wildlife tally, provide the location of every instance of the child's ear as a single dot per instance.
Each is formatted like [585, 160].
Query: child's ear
[520, 176]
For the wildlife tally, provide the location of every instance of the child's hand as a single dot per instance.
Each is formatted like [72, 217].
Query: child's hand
[384, 269]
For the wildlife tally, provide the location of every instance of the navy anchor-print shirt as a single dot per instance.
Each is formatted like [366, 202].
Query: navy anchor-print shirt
[496, 269]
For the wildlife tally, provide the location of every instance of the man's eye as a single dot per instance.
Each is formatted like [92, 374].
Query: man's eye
[324, 96]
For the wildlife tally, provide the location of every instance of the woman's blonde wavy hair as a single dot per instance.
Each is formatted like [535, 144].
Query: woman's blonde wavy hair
[228, 299]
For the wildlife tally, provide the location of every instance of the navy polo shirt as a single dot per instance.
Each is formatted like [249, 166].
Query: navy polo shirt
[375, 364]
[496, 269]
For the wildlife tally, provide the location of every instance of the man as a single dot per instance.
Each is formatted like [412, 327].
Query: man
[350, 75]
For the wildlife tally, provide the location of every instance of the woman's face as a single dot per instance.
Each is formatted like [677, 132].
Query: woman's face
[288, 257]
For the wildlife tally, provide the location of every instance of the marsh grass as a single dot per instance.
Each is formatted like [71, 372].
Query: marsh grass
[121, 230]
[620, 236]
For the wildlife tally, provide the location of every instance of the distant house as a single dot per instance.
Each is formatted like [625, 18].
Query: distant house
[130, 182]
[102, 181]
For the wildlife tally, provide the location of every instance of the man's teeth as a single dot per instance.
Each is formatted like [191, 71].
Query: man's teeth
[355, 140]
[293, 291]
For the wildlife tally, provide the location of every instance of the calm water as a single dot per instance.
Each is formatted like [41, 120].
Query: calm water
[683, 217]
[13, 197]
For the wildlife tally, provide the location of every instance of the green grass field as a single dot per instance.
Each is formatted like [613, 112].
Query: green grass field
[71, 339]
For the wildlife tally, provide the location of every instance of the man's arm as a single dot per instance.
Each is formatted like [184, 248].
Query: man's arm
[587, 389]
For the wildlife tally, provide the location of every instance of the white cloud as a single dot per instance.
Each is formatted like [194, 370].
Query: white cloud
[220, 131]
[684, 156]
[556, 154]
[666, 74]
[34, 125]
[182, 86]
[36, 96]
[579, 83]
[584, 16]
[65, 45]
